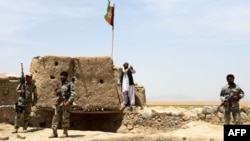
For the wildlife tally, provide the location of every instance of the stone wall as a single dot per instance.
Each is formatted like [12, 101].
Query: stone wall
[137, 121]
[173, 117]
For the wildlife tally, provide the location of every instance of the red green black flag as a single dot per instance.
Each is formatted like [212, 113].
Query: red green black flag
[109, 16]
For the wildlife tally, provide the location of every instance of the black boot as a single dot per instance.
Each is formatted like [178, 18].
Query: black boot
[54, 134]
[65, 133]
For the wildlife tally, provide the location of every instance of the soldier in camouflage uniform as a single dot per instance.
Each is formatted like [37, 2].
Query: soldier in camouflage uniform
[235, 93]
[65, 93]
[27, 98]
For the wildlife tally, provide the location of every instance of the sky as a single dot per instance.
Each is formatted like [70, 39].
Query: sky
[181, 50]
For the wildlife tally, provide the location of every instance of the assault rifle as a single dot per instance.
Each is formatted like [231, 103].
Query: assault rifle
[22, 81]
[230, 97]
[61, 96]
[19, 106]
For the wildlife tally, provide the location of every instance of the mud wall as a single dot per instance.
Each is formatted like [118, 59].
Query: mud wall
[95, 81]
[8, 84]
[98, 96]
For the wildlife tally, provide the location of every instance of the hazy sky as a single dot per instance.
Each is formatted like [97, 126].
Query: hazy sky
[182, 50]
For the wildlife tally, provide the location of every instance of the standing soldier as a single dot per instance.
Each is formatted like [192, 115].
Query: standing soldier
[230, 95]
[27, 98]
[65, 93]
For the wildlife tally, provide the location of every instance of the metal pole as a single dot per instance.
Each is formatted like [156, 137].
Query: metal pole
[113, 32]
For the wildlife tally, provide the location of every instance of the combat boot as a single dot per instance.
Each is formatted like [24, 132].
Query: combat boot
[25, 130]
[15, 131]
[65, 133]
[54, 134]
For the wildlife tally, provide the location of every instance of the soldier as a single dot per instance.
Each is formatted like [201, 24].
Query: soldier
[65, 93]
[127, 85]
[27, 98]
[235, 93]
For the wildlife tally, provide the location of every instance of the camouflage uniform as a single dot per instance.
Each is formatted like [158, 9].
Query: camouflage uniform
[61, 111]
[24, 102]
[233, 105]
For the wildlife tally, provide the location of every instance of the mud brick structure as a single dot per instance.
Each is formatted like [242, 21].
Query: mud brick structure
[95, 81]
[96, 87]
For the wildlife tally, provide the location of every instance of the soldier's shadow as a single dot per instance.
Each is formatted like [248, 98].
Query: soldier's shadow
[35, 129]
[76, 136]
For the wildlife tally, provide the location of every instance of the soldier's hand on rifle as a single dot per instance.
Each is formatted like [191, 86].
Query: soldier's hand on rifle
[236, 97]
[66, 103]
[58, 91]
[22, 91]
[225, 103]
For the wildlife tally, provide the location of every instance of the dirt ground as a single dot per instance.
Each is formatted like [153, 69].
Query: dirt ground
[192, 131]
[174, 103]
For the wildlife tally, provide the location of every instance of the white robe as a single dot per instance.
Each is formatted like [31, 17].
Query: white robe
[128, 90]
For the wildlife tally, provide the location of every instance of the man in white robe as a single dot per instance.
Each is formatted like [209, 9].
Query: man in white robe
[127, 83]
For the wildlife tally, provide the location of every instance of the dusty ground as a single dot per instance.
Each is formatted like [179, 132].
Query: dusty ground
[193, 131]
[174, 103]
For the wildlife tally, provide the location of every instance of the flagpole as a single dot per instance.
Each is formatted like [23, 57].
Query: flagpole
[112, 42]
[113, 33]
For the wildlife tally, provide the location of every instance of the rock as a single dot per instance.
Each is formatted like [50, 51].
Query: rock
[4, 138]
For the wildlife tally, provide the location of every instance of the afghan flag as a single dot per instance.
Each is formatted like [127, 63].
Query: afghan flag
[109, 16]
